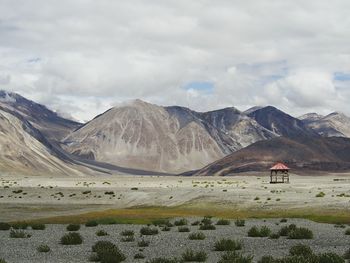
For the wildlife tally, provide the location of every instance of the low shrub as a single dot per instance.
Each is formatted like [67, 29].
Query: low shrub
[223, 222]
[267, 259]
[38, 226]
[196, 236]
[91, 223]
[160, 222]
[264, 231]
[4, 226]
[320, 194]
[166, 228]
[227, 245]
[207, 220]
[233, 256]
[300, 233]
[207, 227]
[240, 222]
[19, 234]
[183, 229]
[43, 248]
[127, 239]
[305, 258]
[191, 256]
[143, 243]
[101, 233]
[300, 250]
[274, 236]
[71, 239]
[330, 258]
[2, 260]
[127, 233]
[139, 256]
[347, 254]
[284, 231]
[73, 227]
[181, 222]
[164, 260]
[283, 220]
[347, 231]
[22, 226]
[107, 252]
[195, 223]
[147, 231]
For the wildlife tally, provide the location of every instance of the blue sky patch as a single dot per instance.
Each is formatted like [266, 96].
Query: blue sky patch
[341, 76]
[202, 86]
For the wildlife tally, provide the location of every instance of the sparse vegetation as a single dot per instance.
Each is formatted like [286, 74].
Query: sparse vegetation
[71, 239]
[91, 223]
[101, 233]
[143, 243]
[223, 222]
[128, 239]
[139, 256]
[300, 233]
[234, 257]
[240, 222]
[127, 233]
[166, 228]
[107, 252]
[4, 226]
[38, 226]
[21, 225]
[196, 236]
[183, 229]
[164, 260]
[73, 227]
[43, 248]
[264, 231]
[191, 256]
[300, 250]
[181, 222]
[148, 231]
[227, 245]
[320, 194]
[19, 234]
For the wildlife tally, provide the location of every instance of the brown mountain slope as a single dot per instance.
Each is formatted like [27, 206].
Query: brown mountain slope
[302, 153]
[24, 150]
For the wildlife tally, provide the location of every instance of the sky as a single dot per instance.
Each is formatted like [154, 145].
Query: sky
[81, 57]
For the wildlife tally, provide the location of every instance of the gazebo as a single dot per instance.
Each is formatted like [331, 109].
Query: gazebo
[279, 173]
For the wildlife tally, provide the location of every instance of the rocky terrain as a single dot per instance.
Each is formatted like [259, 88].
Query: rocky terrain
[169, 139]
[299, 153]
[334, 124]
[24, 149]
[172, 243]
[143, 138]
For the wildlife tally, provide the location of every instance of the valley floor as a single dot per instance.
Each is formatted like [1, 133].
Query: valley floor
[322, 198]
[169, 244]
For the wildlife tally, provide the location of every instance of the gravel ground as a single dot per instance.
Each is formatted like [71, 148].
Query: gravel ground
[327, 238]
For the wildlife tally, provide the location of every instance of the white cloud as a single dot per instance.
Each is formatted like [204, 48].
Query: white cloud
[96, 53]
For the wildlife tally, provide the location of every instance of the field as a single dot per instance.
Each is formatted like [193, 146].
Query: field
[119, 203]
[173, 243]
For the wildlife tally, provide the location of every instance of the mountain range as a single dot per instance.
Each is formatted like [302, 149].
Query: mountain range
[143, 138]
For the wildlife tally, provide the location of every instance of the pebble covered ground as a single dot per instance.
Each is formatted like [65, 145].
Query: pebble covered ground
[327, 238]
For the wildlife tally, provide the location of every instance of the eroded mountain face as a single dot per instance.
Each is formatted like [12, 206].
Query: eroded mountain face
[169, 139]
[53, 126]
[23, 149]
[333, 125]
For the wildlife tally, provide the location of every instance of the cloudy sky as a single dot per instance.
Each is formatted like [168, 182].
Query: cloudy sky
[80, 57]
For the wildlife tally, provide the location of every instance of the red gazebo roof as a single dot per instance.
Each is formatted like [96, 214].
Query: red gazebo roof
[279, 166]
